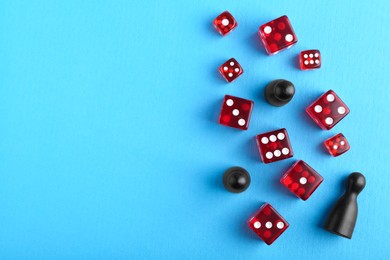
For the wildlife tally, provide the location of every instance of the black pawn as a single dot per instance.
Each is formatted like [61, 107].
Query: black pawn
[279, 92]
[236, 179]
[342, 218]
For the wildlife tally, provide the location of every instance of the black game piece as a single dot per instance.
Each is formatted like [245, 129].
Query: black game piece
[279, 92]
[342, 218]
[236, 179]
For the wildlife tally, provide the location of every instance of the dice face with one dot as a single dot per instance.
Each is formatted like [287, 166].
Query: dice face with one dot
[267, 223]
[310, 59]
[327, 110]
[231, 70]
[236, 112]
[274, 146]
[277, 35]
[225, 23]
[337, 145]
[301, 179]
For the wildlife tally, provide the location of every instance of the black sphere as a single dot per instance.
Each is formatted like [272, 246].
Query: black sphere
[279, 92]
[236, 179]
[356, 182]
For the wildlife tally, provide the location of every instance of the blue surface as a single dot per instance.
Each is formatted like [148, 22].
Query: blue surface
[109, 141]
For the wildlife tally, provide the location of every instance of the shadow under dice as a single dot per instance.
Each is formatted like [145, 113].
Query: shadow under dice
[225, 23]
[327, 110]
[277, 35]
[231, 70]
[236, 112]
[301, 179]
[337, 145]
[267, 223]
[274, 146]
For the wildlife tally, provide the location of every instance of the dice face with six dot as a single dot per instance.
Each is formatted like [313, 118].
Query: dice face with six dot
[277, 35]
[231, 70]
[236, 112]
[337, 145]
[327, 110]
[225, 23]
[310, 59]
[274, 146]
[301, 179]
[267, 223]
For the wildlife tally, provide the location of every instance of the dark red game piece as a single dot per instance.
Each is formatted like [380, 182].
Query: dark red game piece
[301, 179]
[267, 223]
[327, 110]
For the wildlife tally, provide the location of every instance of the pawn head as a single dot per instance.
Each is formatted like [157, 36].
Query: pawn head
[356, 182]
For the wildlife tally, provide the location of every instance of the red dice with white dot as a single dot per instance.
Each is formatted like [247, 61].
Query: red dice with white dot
[301, 179]
[327, 110]
[236, 112]
[231, 70]
[277, 35]
[225, 23]
[274, 146]
[267, 223]
[337, 145]
[310, 59]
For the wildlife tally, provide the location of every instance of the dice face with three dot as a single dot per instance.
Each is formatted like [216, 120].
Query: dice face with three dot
[231, 70]
[277, 35]
[327, 110]
[236, 112]
[267, 223]
[301, 179]
[337, 145]
[274, 146]
[310, 59]
[225, 23]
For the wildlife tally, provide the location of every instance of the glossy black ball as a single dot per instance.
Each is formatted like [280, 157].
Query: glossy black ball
[279, 92]
[236, 179]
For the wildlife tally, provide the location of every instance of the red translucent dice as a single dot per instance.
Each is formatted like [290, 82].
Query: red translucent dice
[301, 179]
[277, 35]
[225, 23]
[236, 112]
[231, 70]
[267, 223]
[274, 146]
[337, 145]
[310, 59]
[327, 110]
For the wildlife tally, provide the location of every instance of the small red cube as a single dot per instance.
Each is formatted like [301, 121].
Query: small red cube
[236, 112]
[301, 179]
[337, 145]
[277, 35]
[274, 146]
[267, 223]
[327, 110]
[310, 59]
[231, 70]
[225, 23]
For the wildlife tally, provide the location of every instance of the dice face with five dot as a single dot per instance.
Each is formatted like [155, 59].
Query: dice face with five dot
[310, 59]
[301, 179]
[277, 35]
[267, 223]
[337, 145]
[231, 70]
[274, 146]
[225, 23]
[327, 110]
[236, 112]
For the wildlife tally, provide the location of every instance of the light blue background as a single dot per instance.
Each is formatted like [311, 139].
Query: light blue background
[109, 141]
